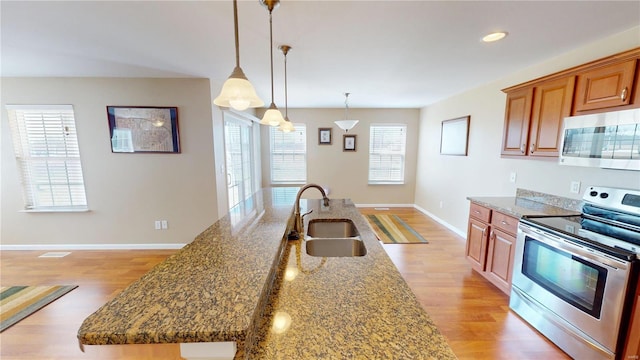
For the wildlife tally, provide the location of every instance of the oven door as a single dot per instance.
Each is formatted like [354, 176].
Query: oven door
[574, 289]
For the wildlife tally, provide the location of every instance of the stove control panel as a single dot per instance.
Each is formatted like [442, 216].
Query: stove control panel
[625, 200]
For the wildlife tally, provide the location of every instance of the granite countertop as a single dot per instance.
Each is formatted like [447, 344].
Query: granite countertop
[209, 291]
[241, 280]
[344, 307]
[519, 207]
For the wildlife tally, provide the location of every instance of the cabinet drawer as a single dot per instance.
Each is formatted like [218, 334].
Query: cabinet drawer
[480, 212]
[504, 222]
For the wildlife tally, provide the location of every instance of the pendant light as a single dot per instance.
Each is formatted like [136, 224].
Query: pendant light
[272, 116]
[237, 92]
[346, 124]
[286, 126]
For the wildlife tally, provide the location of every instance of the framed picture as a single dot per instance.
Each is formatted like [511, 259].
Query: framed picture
[143, 129]
[348, 143]
[454, 136]
[324, 136]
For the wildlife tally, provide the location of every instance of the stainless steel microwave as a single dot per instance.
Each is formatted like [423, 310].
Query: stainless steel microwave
[606, 140]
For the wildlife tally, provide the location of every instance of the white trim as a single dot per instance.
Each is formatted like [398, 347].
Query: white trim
[442, 222]
[92, 247]
[385, 205]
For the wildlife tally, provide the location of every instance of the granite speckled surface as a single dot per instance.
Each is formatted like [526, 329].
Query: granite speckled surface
[344, 307]
[519, 207]
[208, 291]
[246, 283]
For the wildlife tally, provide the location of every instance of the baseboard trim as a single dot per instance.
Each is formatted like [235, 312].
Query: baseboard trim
[4, 247]
[384, 205]
[442, 222]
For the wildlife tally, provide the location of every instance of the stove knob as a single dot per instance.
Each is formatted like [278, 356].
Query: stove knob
[593, 193]
[604, 195]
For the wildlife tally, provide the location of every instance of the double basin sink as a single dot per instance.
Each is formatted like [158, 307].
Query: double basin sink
[334, 238]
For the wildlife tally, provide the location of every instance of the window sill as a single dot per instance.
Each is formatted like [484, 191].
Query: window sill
[61, 210]
[386, 183]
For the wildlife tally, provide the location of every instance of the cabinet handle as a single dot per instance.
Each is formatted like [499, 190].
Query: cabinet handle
[476, 212]
[623, 95]
[504, 222]
[531, 148]
[522, 148]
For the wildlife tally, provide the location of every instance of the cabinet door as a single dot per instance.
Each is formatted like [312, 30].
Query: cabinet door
[516, 122]
[552, 102]
[500, 254]
[476, 251]
[605, 87]
[632, 345]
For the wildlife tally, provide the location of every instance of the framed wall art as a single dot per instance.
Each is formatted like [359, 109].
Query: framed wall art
[143, 129]
[324, 136]
[454, 136]
[348, 143]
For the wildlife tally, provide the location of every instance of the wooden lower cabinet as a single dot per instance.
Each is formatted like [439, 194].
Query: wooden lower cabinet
[632, 346]
[477, 237]
[500, 255]
[491, 238]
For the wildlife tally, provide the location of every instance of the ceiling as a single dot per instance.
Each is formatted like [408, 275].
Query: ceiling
[387, 54]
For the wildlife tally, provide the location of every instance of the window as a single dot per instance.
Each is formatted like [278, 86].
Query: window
[48, 157]
[238, 148]
[387, 145]
[288, 155]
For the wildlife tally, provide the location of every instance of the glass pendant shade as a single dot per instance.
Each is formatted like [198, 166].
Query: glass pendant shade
[286, 126]
[346, 125]
[272, 116]
[237, 92]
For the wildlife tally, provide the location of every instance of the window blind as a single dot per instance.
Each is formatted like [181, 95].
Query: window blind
[48, 156]
[387, 144]
[288, 155]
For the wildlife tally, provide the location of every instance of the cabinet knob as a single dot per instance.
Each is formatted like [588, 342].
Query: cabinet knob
[623, 95]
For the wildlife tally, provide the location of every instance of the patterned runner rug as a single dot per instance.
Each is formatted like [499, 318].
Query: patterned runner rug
[18, 302]
[390, 229]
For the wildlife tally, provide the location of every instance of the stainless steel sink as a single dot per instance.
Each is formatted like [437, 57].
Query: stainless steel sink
[332, 228]
[336, 247]
[334, 238]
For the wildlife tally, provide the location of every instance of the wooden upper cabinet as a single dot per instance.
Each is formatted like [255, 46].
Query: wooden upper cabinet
[606, 86]
[552, 102]
[516, 122]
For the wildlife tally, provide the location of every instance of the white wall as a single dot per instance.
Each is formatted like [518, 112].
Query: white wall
[346, 173]
[450, 179]
[125, 192]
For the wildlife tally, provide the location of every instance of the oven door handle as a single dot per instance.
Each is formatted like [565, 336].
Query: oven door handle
[573, 249]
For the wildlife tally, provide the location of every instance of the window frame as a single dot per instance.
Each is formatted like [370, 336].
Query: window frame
[48, 159]
[292, 181]
[376, 152]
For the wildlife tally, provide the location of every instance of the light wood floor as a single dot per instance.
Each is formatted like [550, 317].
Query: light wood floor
[469, 311]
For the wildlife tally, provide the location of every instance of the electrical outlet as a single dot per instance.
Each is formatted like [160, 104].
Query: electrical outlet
[512, 177]
[575, 187]
[158, 225]
[165, 224]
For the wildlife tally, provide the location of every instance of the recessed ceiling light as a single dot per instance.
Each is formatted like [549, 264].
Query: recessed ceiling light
[494, 36]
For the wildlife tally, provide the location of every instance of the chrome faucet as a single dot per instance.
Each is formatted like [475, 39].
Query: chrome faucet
[298, 228]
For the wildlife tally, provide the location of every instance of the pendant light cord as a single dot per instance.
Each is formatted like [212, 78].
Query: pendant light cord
[271, 51]
[286, 102]
[235, 28]
[346, 106]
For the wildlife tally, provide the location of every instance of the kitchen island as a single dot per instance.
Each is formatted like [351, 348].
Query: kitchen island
[242, 282]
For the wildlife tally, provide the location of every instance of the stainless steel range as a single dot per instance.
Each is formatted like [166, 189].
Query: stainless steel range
[574, 277]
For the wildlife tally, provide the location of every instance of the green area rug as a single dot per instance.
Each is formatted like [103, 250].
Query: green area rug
[18, 302]
[390, 229]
